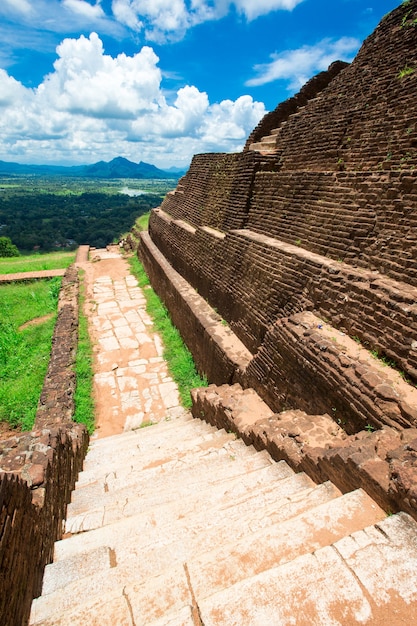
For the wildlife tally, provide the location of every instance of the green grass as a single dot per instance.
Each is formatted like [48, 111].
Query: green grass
[406, 71]
[142, 222]
[37, 262]
[24, 352]
[84, 404]
[179, 359]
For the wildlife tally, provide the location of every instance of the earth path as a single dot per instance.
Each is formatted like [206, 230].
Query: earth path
[132, 385]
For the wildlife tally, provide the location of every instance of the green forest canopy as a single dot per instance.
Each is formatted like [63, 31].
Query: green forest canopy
[47, 214]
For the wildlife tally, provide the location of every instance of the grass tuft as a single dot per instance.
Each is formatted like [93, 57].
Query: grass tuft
[179, 359]
[84, 404]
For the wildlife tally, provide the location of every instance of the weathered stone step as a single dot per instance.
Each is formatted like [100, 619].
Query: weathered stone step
[278, 546]
[200, 469]
[158, 546]
[137, 564]
[133, 603]
[160, 435]
[144, 453]
[375, 583]
[117, 477]
[315, 528]
[206, 502]
[143, 431]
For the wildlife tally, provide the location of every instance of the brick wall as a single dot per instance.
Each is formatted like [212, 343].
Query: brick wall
[38, 471]
[310, 254]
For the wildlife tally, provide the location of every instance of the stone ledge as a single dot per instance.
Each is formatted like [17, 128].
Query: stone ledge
[383, 463]
[218, 353]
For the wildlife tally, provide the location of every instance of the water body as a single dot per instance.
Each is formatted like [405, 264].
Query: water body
[133, 192]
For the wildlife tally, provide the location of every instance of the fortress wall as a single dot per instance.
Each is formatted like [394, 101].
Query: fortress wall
[218, 354]
[367, 219]
[274, 119]
[268, 284]
[362, 120]
[215, 191]
[253, 280]
[309, 253]
[305, 364]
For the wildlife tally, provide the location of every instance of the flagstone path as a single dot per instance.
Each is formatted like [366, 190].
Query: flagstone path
[132, 385]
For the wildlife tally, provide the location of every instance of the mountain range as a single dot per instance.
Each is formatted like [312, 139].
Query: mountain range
[117, 168]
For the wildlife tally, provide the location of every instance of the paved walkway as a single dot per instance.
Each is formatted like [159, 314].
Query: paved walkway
[132, 386]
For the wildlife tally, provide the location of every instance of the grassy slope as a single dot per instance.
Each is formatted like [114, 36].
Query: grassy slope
[37, 262]
[24, 353]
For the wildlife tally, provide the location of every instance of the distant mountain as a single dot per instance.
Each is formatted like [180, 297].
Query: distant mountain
[117, 168]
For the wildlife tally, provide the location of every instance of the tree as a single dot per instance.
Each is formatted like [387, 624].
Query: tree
[7, 248]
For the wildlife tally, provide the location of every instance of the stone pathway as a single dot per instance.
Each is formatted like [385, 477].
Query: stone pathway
[132, 386]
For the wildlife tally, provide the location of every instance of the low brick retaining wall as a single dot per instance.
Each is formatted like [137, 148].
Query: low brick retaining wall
[38, 471]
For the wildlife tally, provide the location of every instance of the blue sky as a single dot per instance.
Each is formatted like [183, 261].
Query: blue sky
[160, 80]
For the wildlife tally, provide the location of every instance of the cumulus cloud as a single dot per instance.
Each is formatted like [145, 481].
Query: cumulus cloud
[94, 106]
[254, 8]
[170, 19]
[11, 91]
[88, 82]
[297, 66]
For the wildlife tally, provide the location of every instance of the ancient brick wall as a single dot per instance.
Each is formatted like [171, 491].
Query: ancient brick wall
[274, 119]
[38, 471]
[364, 120]
[365, 220]
[309, 251]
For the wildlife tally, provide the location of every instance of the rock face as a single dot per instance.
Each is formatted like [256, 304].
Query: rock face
[305, 246]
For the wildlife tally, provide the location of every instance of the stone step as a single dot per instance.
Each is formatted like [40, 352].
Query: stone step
[263, 148]
[162, 433]
[132, 603]
[199, 469]
[166, 425]
[318, 527]
[206, 501]
[374, 583]
[145, 453]
[142, 565]
[141, 586]
[193, 536]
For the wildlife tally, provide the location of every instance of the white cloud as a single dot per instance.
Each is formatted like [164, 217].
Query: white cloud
[169, 19]
[16, 6]
[85, 9]
[86, 81]
[93, 106]
[254, 8]
[11, 91]
[297, 66]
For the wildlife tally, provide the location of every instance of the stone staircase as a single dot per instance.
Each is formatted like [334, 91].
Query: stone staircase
[268, 144]
[182, 524]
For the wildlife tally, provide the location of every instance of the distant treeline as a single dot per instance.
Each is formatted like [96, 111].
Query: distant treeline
[48, 221]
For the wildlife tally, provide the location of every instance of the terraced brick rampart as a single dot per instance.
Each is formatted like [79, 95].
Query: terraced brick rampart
[308, 249]
[364, 120]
